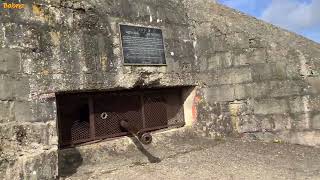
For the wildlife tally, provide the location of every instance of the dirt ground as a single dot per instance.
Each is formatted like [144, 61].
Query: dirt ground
[231, 159]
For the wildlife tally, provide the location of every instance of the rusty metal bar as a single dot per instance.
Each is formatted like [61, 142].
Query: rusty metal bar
[142, 111]
[91, 119]
[145, 138]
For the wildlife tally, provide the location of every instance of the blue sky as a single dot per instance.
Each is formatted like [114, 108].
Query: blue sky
[300, 16]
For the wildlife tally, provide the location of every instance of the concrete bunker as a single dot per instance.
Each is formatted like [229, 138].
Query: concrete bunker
[74, 54]
[87, 117]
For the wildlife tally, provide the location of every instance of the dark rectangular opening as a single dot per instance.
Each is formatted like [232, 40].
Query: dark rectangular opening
[90, 116]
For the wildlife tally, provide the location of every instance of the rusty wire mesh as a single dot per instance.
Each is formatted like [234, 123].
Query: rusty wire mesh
[146, 110]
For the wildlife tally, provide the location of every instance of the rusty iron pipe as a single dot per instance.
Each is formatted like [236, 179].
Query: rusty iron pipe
[144, 138]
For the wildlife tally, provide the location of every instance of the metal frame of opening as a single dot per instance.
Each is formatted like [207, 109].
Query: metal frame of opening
[89, 117]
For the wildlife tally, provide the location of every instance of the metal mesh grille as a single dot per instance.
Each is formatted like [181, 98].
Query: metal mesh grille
[85, 117]
[174, 105]
[80, 131]
[74, 123]
[115, 109]
[155, 111]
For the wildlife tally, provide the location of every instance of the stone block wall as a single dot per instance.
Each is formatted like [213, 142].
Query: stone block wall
[262, 80]
[71, 45]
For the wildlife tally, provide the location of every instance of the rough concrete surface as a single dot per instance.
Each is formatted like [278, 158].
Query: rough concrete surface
[210, 159]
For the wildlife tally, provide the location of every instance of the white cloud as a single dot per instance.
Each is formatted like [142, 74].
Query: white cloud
[293, 14]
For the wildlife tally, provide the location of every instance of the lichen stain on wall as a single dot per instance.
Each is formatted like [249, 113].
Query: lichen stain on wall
[39, 13]
[55, 38]
[44, 14]
[234, 109]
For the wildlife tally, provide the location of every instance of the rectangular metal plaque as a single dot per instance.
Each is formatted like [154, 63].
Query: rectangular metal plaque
[142, 45]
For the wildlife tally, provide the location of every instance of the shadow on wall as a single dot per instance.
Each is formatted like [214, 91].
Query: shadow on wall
[68, 164]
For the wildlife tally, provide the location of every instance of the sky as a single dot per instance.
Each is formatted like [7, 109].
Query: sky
[300, 16]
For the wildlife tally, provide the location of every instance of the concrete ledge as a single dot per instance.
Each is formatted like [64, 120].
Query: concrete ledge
[231, 159]
[128, 150]
[306, 138]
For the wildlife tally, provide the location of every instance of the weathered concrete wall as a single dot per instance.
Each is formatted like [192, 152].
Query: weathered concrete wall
[251, 77]
[54, 46]
[263, 80]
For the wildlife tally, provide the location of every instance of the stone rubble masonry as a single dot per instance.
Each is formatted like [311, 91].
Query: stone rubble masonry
[266, 76]
[251, 77]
